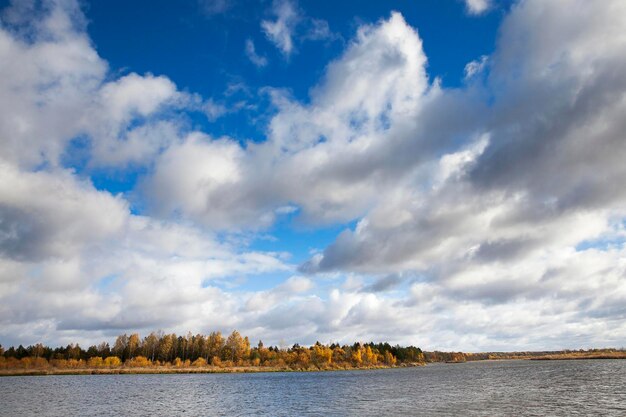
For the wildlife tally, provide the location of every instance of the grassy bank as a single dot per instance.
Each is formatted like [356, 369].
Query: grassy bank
[123, 370]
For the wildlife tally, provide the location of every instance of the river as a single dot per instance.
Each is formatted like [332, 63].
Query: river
[491, 388]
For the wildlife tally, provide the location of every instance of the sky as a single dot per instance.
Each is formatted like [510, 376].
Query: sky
[448, 174]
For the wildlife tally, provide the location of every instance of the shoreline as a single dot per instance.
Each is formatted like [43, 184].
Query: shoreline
[577, 358]
[186, 370]
[271, 369]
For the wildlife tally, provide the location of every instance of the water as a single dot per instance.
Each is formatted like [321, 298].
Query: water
[509, 388]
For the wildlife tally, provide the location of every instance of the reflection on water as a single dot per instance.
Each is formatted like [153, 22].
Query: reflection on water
[514, 388]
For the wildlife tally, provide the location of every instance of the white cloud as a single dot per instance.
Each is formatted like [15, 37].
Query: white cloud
[55, 90]
[500, 229]
[474, 68]
[46, 85]
[354, 113]
[256, 59]
[123, 123]
[135, 94]
[290, 289]
[45, 214]
[214, 110]
[280, 31]
[195, 178]
[75, 264]
[290, 26]
[75, 259]
[477, 7]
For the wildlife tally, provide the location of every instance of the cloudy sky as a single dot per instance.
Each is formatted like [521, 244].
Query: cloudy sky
[447, 174]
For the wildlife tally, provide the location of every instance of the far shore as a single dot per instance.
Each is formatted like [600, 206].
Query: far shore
[576, 356]
[125, 370]
[536, 356]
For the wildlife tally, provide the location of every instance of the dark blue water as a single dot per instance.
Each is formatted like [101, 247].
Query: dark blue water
[509, 388]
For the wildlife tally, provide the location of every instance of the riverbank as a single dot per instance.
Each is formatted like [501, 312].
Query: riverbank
[582, 355]
[608, 353]
[124, 370]
[186, 370]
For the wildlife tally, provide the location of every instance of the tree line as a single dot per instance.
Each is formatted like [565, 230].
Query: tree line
[171, 350]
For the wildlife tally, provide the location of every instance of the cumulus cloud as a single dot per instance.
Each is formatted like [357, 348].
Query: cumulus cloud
[55, 90]
[132, 99]
[52, 214]
[134, 94]
[362, 115]
[533, 172]
[46, 84]
[100, 288]
[507, 227]
[262, 300]
[75, 263]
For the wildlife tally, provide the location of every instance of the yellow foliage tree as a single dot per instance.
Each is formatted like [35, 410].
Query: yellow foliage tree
[322, 355]
[138, 362]
[368, 356]
[238, 347]
[389, 358]
[95, 362]
[112, 361]
[133, 344]
[199, 363]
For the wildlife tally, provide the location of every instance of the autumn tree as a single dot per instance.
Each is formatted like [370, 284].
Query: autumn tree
[112, 361]
[133, 344]
[120, 347]
[262, 351]
[322, 355]
[356, 356]
[95, 362]
[166, 346]
[198, 350]
[237, 347]
[214, 346]
[389, 358]
[37, 350]
[189, 345]
[73, 351]
[339, 355]
[368, 355]
[103, 349]
[150, 345]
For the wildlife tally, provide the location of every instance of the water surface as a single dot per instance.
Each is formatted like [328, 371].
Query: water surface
[507, 388]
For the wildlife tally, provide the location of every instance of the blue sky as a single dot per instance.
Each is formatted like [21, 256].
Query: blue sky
[435, 173]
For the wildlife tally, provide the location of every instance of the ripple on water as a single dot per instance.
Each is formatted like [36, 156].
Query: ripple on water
[515, 388]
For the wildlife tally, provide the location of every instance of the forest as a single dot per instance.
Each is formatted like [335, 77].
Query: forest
[169, 351]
